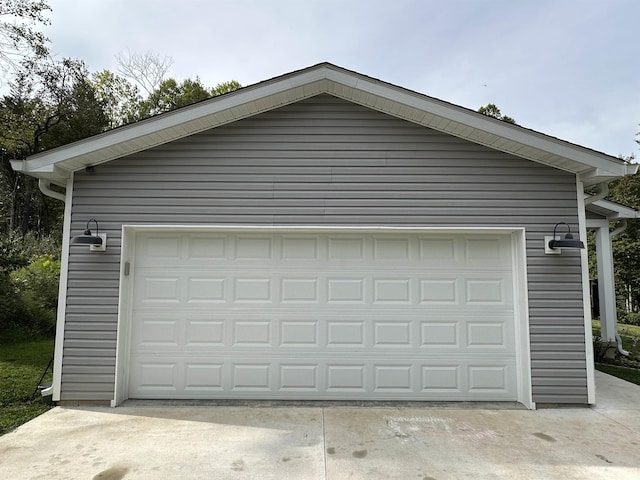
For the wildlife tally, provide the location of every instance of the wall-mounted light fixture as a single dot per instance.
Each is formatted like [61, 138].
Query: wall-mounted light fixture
[97, 242]
[554, 245]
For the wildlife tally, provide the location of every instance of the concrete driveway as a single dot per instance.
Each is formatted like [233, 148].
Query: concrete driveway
[152, 441]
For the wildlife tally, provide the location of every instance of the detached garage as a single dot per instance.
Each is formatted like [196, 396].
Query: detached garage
[323, 235]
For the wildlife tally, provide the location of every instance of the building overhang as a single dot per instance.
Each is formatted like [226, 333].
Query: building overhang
[590, 166]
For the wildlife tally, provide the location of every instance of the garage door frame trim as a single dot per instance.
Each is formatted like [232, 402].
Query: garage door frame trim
[518, 252]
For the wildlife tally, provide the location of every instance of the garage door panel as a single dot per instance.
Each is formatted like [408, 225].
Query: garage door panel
[299, 290]
[487, 334]
[205, 289]
[297, 333]
[253, 247]
[205, 249]
[395, 249]
[160, 248]
[152, 375]
[255, 333]
[203, 333]
[392, 290]
[488, 378]
[299, 377]
[159, 289]
[185, 287]
[323, 315]
[442, 379]
[440, 335]
[443, 291]
[363, 378]
[454, 251]
[154, 333]
[251, 376]
[393, 334]
[201, 378]
[299, 248]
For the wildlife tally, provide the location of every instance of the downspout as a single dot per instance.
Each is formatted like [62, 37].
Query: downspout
[45, 187]
[602, 190]
[621, 228]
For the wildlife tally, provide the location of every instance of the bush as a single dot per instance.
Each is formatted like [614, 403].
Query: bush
[10, 308]
[28, 284]
[600, 348]
[17, 251]
[629, 318]
[36, 293]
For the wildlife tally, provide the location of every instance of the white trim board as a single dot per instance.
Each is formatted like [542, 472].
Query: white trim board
[586, 297]
[129, 232]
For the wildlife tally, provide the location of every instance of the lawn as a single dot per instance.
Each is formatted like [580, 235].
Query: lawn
[627, 334]
[21, 366]
[629, 374]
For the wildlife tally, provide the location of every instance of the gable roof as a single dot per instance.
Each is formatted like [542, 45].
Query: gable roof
[56, 165]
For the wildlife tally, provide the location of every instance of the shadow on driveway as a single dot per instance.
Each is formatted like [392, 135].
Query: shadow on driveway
[145, 440]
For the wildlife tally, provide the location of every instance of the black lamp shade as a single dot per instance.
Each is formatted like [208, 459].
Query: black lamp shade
[86, 239]
[567, 242]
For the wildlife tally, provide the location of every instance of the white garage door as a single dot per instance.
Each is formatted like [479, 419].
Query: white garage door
[322, 315]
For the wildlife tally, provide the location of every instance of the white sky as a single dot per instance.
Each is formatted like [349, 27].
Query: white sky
[567, 68]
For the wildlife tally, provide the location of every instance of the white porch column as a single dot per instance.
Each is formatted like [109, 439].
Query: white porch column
[606, 283]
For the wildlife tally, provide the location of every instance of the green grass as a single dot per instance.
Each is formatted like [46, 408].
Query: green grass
[626, 332]
[21, 365]
[629, 329]
[629, 374]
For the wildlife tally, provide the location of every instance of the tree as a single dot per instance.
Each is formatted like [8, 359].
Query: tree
[50, 104]
[148, 69]
[491, 110]
[119, 97]
[171, 95]
[19, 40]
[225, 87]
[626, 249]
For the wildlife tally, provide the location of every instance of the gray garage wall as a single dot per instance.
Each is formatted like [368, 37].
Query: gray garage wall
[325, 161]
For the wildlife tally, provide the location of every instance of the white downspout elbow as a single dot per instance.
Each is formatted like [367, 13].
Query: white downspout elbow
[621, 228]
[45, 187]
[602, 190]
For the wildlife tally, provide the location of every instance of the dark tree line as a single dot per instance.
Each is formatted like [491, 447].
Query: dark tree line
[52, 102]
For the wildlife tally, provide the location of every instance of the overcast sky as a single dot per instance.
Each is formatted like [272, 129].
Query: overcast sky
[567, 68]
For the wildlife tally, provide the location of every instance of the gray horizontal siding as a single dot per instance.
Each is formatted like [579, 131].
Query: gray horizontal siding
[325, 161]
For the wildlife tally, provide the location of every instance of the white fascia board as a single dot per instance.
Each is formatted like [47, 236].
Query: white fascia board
[477, 121]
[321, 79]
[18, 165]
[615, 210]
[265, 97]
